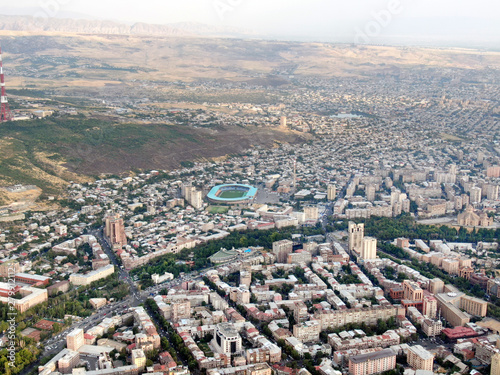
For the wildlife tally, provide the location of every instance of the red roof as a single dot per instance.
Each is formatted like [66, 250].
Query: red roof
[459, 332]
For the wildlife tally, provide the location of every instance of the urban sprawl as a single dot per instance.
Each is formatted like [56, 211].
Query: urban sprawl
[371, 247]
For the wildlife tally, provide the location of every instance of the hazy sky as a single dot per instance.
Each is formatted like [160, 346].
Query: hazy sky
[332, 20]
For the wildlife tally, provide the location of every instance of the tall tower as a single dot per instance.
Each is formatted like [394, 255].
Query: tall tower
[356, 236]
[283, 122]
[369, 249]
[495, 364]
[114, 230]
[5, 114]
[332, 192]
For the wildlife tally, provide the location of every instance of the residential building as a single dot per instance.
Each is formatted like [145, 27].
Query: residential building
[114, 230]
[475, 195]
[495, 364]
[429, 306]
[369, 250]
[138, 358]
[68, 362]
[419, 358]
[75, 339]
[436, 286]
[332, 192]
[367, 315]
[432, 328]
[30, 279]
[281, 249]
[60, 286]
[356, 235]
[311, 213]
[372, 363]
[412, 291]
[307, 331]
[493, 287]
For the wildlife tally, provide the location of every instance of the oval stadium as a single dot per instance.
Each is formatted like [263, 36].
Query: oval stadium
[232, 194]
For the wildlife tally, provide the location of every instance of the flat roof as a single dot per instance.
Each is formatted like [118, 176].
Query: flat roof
[421, 352]
[372, 356]
[30, 276]
[94, 350]
[227, 329]
[75, 332]
[450, 296]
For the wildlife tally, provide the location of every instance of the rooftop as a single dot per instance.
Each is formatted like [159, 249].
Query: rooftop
[421, 352]
[372, 356]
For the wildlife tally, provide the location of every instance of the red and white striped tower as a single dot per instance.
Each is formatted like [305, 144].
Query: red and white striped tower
[5, 114]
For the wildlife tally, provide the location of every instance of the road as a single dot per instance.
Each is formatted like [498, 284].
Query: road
[55, 344]
[123, 274]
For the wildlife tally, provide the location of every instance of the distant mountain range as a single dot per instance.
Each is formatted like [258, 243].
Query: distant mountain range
[84, 26]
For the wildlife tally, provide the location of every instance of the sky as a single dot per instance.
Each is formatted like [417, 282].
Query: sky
[353, 21]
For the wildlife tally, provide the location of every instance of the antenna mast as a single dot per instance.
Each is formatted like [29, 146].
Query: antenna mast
[5, 114]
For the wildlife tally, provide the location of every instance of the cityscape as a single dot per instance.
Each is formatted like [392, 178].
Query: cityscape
[188, 199]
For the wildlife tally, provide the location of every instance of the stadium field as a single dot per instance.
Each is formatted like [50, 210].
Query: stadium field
[229, 194]
[232, 194]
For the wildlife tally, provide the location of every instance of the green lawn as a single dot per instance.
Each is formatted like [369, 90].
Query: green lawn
[206, 349]
[217, 209]
[228, 194]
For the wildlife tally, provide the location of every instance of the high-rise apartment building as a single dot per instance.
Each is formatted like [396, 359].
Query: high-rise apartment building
[369, 250]
[193, 196]
[283, 122]
[395, 196]
[68, 362]
[332, 192]
[436, 286]
[114, 230]
[495, 364]
[311, 212]
[356, 235]
[281, 249]
[492, 192]
[475, 195]
[419, 358]
[75, 339]
[429, 307]
[196, 199]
